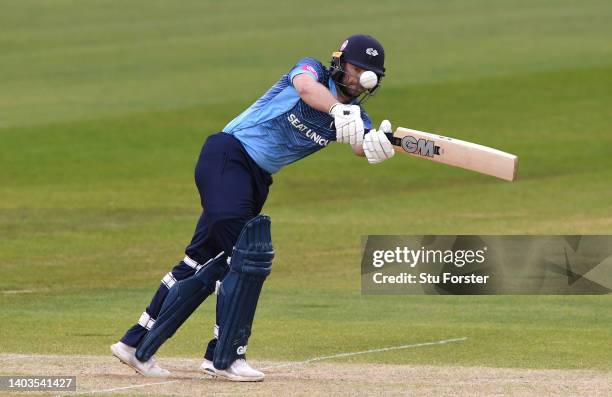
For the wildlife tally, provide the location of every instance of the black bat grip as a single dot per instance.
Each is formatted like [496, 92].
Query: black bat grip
[394, 141]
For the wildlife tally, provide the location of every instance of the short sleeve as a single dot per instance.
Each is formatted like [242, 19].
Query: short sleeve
[309, 66]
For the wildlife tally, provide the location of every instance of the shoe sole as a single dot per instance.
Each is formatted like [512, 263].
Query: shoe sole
[122, 361]
[118, 355]
[211, 371]
[234, 378]
[208, 371]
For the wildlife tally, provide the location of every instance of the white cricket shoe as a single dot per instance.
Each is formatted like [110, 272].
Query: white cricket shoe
[208, 367]
[127, 355]
[239, 371]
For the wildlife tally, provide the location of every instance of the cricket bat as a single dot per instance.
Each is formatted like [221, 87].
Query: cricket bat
[455, 152]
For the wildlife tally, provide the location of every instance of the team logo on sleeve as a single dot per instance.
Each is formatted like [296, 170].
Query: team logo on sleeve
[310, 69]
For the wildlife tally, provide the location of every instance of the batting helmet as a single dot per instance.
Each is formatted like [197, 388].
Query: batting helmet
[363, 51]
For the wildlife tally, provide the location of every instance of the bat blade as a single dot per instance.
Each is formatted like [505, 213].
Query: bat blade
[455, 152]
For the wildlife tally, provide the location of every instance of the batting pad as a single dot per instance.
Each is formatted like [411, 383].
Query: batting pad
[250, 264]
[183, 298]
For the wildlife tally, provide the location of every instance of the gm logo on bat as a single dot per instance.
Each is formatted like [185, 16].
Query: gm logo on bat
[422, 147]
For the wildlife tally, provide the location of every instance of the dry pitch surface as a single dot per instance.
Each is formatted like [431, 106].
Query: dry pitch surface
[103, 375]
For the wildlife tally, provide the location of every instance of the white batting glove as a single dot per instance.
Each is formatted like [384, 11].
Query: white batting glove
[348, 122]
[376, 145]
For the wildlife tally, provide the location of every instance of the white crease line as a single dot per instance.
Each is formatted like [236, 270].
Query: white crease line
[126, 387]
[384, 349]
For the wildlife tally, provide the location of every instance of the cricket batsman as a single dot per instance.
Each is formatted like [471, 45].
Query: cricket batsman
[307, 109]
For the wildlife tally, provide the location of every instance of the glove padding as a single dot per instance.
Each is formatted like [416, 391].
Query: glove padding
[376, 145]
[348, 122]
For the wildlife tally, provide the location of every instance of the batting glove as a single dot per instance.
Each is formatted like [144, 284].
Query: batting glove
[376, 146]
[348, 122]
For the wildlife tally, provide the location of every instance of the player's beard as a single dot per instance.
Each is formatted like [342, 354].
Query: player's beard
[351, 90]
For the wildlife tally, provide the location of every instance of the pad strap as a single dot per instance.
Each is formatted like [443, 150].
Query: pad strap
[169, 280]
[146, 321]
[192, 264]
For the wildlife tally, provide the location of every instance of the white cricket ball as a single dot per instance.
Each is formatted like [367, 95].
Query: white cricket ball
[368, 79]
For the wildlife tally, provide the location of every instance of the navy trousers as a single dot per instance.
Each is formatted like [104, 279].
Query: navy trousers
[233, 189]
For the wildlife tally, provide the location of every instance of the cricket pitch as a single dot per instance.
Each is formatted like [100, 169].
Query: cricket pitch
[104, 375]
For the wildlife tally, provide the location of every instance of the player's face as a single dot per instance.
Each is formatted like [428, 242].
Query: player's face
[351, 79]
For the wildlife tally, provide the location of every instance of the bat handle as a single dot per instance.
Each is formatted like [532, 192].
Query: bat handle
[394, 141]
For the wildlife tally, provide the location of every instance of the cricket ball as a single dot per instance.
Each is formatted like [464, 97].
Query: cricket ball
[368, 80]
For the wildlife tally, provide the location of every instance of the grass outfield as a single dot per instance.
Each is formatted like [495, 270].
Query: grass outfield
[103, 110]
